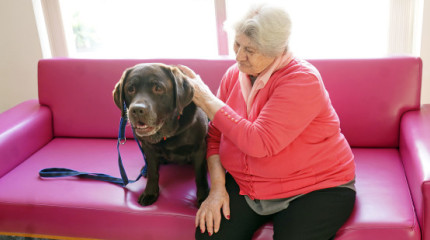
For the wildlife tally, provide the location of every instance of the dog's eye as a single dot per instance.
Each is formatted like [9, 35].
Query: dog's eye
[157, 89]
[131, 89]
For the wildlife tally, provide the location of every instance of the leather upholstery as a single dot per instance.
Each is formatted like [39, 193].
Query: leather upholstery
[415, 152]
[384, 207]
[24, 129]
[76, 123]
[375, 91]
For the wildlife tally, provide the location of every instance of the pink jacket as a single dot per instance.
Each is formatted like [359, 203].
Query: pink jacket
[290, 142]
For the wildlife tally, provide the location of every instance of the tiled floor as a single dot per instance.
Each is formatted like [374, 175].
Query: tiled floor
[19, 238]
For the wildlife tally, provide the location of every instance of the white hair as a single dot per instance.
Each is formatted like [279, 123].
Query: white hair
[268, 27]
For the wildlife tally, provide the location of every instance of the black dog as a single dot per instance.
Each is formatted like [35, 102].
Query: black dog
[170, 127]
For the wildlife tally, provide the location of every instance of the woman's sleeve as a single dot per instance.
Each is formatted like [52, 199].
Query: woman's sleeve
[294, 103]
[213, 140]
[214, 135]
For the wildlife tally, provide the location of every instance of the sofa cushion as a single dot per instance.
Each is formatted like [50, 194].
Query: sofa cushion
[79, 94]
[384, 208]
[87, 208]
[370, 96]
[79, 91]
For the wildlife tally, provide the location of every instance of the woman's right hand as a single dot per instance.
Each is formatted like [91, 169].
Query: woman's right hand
[209, 214]
[202, 96]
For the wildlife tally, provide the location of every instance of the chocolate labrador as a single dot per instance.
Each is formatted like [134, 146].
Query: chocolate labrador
[170, 127]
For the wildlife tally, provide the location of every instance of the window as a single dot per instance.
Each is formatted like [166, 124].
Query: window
[139, 29]
[192, 28]
[349, 28]
[335, 28]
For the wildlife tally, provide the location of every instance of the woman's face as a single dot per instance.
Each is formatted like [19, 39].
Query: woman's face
[248, 58]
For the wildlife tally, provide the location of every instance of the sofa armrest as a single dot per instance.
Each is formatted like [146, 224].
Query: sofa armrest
[24, 129]
[414, 149]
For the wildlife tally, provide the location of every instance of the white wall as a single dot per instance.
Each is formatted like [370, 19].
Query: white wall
[19, 52]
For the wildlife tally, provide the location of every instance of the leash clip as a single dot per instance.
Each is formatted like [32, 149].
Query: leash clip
[121, 134]
[122, 139]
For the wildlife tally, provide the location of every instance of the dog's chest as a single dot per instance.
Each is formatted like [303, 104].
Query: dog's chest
[171, 153]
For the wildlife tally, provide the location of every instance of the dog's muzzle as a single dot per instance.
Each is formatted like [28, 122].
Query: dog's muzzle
[143, 120]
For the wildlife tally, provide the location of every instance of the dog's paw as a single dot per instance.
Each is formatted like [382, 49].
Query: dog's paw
[147, 199]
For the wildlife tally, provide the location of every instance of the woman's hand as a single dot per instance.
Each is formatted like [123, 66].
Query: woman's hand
[201, 90]
[203, 96]
[209, 215]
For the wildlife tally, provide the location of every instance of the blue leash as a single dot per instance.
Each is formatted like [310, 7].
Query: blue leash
[123, 181]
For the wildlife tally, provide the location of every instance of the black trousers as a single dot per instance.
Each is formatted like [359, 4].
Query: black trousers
[317, 215]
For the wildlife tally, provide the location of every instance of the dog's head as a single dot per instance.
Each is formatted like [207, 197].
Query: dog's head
[153, 93]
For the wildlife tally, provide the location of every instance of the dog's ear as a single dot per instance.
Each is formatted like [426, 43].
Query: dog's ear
[183, 91]
[118, 91]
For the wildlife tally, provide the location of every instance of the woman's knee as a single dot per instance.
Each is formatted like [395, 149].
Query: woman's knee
[317, 215]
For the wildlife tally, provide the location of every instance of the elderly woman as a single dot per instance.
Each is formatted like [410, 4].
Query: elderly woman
[275, 150]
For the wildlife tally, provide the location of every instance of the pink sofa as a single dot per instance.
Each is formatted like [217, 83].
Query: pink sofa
[74, 124]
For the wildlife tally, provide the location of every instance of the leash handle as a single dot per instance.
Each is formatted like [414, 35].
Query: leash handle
[123, 181]
[65, 172]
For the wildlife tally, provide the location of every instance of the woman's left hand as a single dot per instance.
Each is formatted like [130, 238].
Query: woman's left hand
[208, 217]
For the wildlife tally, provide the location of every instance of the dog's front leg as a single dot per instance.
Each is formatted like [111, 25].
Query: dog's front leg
[151, 193]
[200, 170]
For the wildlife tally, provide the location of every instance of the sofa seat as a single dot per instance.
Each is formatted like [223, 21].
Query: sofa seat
[111, 213]
[384, 206]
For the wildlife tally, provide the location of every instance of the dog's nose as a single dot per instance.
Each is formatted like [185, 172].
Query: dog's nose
[139, 109]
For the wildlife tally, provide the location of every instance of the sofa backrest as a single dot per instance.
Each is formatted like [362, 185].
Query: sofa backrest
[369, 95]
